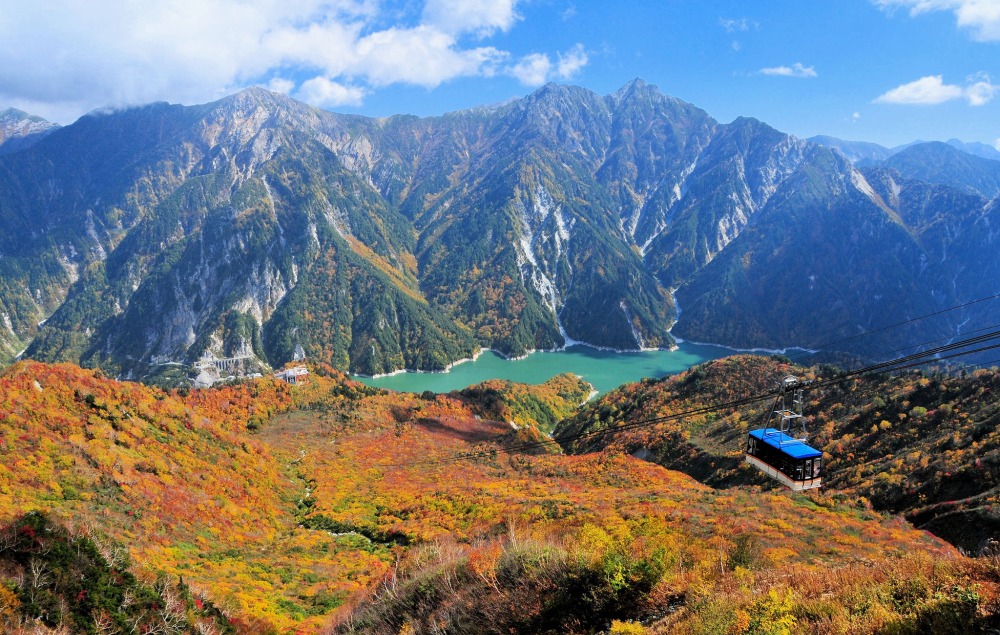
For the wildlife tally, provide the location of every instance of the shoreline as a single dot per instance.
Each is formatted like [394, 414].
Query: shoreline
[603, 369]
[769, 351]
[446, 369]
[605, 349]
[569, 343]
[514, 358]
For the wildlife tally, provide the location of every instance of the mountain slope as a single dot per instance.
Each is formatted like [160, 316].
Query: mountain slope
[855, 151]
[213, 252]
[820, 262]
[735, 176]
[979, 149]
[941, 163]
[215, 232]
[159, 241]
[920, 445]
[333, 505]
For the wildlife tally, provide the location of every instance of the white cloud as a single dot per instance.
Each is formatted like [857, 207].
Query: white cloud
[571, 62]
[61, 58]
[734, 25]
[279, 85]
[538, 68]
[996, 144]
[979, 90]
[855, 117]
[795, 70]
[532, 70]
[931, 90]
[321, 91]
[420, 55]
[982, 17]
[481, 17]
[926, 90]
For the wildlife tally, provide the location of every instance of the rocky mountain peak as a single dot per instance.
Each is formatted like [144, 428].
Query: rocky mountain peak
[10, 116]
[257, 96]
[635, 90]
[19, 129]
[557, 96]
[257, 119]
[259, 102]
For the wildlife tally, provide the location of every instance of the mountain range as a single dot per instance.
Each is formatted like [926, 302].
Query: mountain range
[255, 230]
[864, 151]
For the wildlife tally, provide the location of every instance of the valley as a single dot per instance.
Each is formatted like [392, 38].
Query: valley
[499, 317]
[604, 370]
[337, 507]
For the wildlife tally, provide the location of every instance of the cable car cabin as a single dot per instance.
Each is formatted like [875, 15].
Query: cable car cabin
[785, 459]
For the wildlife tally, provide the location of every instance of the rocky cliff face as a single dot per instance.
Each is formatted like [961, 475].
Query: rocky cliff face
[257, 228]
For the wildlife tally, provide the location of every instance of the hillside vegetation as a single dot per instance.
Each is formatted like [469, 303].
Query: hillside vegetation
[922, 445]
[334, 507]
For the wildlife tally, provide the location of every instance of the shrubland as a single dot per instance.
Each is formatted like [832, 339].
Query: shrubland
[335, 507]
[922, 444]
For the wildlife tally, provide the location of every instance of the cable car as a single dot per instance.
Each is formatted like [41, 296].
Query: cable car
[776, 452]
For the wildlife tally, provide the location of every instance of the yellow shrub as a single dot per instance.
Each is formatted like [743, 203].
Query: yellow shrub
[627, 628]
[9, 605]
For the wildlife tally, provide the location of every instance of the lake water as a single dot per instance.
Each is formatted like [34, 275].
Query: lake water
[606, 370]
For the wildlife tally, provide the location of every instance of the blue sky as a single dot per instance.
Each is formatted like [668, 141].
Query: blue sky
[888, 71]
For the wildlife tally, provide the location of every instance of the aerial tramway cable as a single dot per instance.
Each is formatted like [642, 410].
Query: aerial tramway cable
[818, 347]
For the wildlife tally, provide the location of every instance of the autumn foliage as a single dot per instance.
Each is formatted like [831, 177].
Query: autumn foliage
[333, 506]
[924, 444]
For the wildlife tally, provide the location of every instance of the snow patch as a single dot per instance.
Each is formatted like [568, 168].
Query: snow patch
[337, 218]
[961, 325]
[65, 258]
[680, 188]
[270, 196]
[677, 192]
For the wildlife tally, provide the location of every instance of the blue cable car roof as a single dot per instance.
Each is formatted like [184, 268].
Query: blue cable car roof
[781, 441]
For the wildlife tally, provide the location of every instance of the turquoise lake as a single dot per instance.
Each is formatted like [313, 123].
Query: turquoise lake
[605, 370]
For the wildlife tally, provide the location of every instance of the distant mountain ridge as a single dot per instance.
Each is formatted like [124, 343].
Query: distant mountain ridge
[19, 130]
[869, 153]
[257, 229]
[943, 164]
[854, 150]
